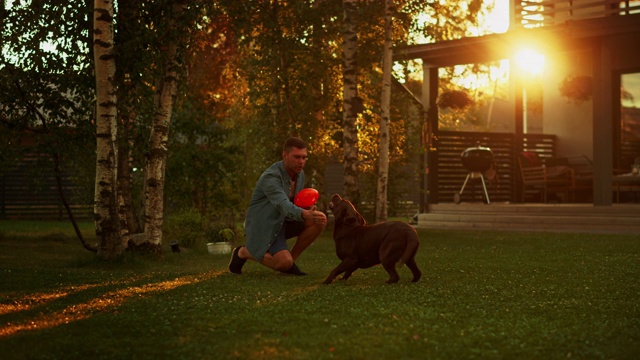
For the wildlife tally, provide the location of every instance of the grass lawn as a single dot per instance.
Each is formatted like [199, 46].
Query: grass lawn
[490, 295]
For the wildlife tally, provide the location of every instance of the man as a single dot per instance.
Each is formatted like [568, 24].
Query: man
[272, 217]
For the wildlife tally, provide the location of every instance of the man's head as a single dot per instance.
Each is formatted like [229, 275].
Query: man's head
[294, 154]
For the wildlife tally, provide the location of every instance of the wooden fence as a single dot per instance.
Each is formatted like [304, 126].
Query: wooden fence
[28, 190]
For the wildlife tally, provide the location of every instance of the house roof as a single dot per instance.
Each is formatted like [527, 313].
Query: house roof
[570, 35]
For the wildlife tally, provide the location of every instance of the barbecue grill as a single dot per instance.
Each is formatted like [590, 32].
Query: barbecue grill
[476, 160]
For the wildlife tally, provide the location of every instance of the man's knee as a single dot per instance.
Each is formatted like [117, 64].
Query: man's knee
[284, 264]
[283, 261]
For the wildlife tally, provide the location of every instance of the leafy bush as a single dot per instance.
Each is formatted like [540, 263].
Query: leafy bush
[186, 227]
[192, 229]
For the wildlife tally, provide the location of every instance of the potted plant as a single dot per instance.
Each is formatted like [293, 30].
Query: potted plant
[221, 241]
[577, 88]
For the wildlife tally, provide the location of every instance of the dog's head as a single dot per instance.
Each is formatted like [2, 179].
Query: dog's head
[345, 214]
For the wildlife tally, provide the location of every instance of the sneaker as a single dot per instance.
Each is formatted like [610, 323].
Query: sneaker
[295, 270]
[236, 263]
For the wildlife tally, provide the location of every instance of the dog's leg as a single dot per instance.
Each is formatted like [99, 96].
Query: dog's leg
[390, 267]
[347, 265]
[348, 273]
[411, 264]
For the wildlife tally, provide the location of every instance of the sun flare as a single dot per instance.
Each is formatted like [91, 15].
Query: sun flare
[531, 61]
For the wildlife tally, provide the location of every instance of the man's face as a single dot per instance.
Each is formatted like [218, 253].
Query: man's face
[295, 159]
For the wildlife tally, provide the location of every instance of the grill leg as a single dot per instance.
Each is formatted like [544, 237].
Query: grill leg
[465, 183]
[486, 193]
[457, 196]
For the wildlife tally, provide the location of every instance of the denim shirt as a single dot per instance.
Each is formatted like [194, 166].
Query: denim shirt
[269, 207]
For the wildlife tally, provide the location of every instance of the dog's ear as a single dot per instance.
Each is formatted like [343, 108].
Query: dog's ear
[335, 200]
[353, 216]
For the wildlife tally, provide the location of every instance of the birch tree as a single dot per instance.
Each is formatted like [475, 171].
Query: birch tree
[385, 102]
[351, 102]
[105, 199]
[166, 89]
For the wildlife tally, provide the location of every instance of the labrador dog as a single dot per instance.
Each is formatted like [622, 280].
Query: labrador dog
[361, 246]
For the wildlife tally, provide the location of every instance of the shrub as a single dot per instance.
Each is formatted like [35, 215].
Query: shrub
[192, 229]
[186, 227]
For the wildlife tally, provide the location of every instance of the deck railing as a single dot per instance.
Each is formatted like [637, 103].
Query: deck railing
[538, 13]
[451, 173]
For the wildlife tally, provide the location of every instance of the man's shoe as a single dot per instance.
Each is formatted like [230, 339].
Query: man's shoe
[295, 270]
[236, 263]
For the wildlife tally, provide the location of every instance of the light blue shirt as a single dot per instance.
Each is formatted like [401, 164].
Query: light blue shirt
[269, 207]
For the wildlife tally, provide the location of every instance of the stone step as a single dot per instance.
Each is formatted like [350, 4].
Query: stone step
[574, 209]
[535, 217]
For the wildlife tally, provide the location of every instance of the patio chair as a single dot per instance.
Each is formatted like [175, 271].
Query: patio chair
[538, 178]
[583, 174]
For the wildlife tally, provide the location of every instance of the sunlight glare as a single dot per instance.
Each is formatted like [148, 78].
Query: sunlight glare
[107, 302]
[497, 21]
[530, 61]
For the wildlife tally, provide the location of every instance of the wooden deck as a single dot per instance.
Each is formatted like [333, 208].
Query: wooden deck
[579, 218]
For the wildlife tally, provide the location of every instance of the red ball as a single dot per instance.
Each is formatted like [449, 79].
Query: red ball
[306, 198]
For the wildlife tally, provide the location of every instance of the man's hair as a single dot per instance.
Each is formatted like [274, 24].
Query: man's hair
[293, 142]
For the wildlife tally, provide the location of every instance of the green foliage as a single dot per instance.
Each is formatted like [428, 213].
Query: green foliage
[202, 166]
[219, 232]
[46, 93]
[45, 74]
[187, 227]
[194, 230]
[483, 295]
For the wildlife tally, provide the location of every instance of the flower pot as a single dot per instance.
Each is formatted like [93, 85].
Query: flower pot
[175, 246]
[219, 248]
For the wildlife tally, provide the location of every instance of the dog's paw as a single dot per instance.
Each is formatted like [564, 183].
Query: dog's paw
[393, 280]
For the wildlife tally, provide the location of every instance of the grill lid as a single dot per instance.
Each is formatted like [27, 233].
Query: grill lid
[477, 158]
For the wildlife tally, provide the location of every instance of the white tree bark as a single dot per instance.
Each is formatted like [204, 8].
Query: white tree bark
[383, 167]
[157, 159]
[105, 197]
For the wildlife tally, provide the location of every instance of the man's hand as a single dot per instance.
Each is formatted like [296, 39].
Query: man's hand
[318, 216]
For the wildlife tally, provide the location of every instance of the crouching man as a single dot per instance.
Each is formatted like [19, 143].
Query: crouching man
[272, 217]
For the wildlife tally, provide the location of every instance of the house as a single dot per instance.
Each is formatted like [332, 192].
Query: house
[596, 42]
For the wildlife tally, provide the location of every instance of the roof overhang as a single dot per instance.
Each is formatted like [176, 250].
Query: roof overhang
[570, 35]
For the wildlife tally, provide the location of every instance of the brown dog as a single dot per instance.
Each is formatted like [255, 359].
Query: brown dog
[361, 246]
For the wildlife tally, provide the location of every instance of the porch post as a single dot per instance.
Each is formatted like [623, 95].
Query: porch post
[429, 184]
[518, 139]
[603, 123]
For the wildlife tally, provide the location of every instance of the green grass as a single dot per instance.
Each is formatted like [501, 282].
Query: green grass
[490, 295]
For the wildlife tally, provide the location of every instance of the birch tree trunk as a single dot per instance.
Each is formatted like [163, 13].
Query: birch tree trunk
[105, 198]
[351, 102]
[385, 102]
[166, 89]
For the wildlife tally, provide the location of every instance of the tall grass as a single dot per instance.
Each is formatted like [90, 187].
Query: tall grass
[483, 295]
